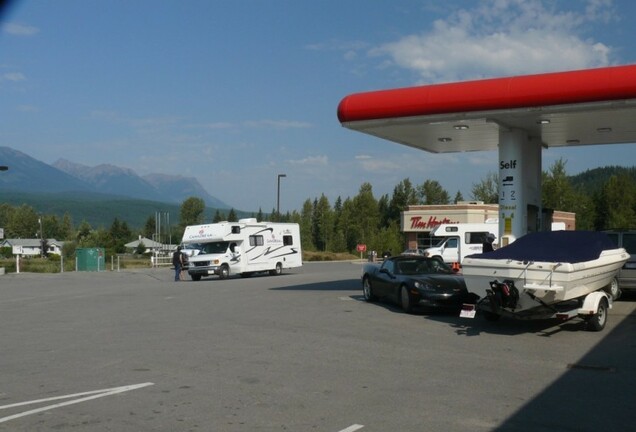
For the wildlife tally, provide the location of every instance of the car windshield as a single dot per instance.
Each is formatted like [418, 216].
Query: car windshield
[421, 266]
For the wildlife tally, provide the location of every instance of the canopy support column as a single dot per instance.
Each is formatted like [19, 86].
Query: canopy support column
[519, 184]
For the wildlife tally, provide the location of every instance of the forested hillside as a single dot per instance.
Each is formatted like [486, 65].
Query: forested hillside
[603, 198]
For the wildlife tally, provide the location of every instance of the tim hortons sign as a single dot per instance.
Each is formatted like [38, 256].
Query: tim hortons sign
[419, 223]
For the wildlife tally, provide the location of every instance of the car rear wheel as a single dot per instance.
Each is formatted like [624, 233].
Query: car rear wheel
[405, 300]
[367, 290]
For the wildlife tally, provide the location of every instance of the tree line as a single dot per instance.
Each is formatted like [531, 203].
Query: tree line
[608, 202]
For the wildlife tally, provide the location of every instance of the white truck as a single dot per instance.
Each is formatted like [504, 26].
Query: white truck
[244, 247]
[460, 240]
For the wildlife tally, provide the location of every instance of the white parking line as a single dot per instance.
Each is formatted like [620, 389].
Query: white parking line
[352, 428]
[90, 395]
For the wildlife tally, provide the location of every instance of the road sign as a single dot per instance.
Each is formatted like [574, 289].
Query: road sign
[362, 247]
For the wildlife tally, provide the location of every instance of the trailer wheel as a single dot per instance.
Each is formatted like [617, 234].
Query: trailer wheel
[405, 300]
[277, 271]
[597, 321]
[613, 289]
[367, 290]
[224, 272]
[196, 277]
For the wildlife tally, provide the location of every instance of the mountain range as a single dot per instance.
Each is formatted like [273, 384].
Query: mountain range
[29, 175]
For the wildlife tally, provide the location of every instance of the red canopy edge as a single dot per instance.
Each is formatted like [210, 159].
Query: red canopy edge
[559, 88]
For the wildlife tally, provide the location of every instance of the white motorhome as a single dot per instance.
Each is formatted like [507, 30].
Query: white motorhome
[244, 247]
[460, 240]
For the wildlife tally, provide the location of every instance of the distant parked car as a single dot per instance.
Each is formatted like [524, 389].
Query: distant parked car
[626, 279]
[418, 252]
[411, 281]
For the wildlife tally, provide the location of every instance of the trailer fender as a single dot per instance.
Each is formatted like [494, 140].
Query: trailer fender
[591, 302]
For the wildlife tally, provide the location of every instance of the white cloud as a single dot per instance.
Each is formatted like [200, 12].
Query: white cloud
[19, 29]
[277, 124]
[311, 161]
[502, 37]
[28, 108]
[12, 76]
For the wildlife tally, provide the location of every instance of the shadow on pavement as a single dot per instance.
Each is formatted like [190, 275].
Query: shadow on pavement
[597, 393]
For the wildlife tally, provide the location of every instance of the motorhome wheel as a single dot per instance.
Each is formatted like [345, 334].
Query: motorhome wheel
[224, 272]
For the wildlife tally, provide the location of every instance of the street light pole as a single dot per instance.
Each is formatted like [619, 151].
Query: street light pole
[278, 196]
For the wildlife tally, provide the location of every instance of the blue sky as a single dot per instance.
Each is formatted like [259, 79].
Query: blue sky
[236, 92]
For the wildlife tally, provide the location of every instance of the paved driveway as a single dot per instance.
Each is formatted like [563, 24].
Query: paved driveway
[135, 351]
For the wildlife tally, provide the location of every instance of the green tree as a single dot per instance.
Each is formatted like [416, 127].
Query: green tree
[23, 223]
[458, 197]
[557, 191]
[322, 225]
[487, 190]
[404, 195]
[192, 212]
[618, 203]
[150, 227]
[367, 215]
[306, 225]
[431, 192]
[141, 248]
[66, 228]
[218, 216]
[231, 217]
[83, 231]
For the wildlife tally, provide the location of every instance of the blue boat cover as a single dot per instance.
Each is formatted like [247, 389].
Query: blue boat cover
[554, 246]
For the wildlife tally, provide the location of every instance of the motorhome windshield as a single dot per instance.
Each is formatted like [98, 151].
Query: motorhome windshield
[213, 247]
[437, 241]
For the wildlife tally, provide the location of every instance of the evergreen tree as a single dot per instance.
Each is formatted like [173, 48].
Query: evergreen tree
[404, 195]
[191, 212]
[322, 223]
[84, 231]
[557, 191]
[618, 200]
[458, 197]
[218, 216]
[367, 215]
[431, 192]
[66, 228]
[306, 225]
[231, 216]
[487, 190]
[150, 227]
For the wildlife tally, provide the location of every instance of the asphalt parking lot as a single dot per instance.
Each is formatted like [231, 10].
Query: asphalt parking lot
[135, 351]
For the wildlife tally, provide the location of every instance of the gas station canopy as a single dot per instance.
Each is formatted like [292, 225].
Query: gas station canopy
[586, 107]
[518, 116]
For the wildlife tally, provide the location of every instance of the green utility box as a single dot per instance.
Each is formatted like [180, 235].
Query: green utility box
[90, 259]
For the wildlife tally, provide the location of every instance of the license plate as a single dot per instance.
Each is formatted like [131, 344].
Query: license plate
[468, 311]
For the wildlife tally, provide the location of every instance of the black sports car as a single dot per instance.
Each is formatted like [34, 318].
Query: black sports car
[412, 281]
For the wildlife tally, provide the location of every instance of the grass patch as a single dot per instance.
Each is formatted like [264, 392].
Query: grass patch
[328, 256]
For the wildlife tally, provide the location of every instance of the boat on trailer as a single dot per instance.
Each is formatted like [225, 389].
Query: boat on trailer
[553, 274]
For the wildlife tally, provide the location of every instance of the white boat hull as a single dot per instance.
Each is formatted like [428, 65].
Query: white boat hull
[543, 283]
